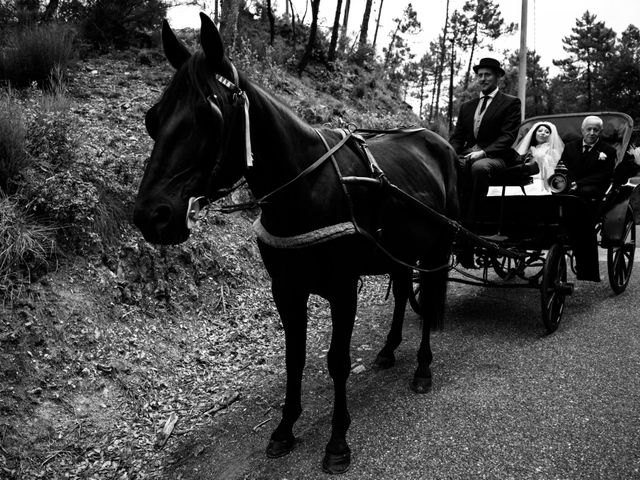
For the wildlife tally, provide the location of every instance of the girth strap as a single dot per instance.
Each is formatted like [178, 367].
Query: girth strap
[306, 239]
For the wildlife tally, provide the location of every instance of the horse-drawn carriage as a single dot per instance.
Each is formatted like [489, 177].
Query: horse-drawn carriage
[530, 245]
[335, 207]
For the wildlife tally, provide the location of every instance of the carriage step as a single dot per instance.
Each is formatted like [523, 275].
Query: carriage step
[497, 238]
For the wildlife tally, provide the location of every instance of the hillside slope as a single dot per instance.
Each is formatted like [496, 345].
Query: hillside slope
[118, 340]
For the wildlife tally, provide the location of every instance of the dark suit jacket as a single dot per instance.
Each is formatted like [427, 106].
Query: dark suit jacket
[587, 170]
[498, 129]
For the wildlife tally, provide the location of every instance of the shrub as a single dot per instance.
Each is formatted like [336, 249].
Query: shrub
[25, 245]
[31, 54]
[49, 142]
[13, 156]
[65, 189]
[122, 23]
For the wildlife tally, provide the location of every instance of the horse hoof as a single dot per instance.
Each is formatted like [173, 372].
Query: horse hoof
[383, 363]
[280, 448]
[336, 463]
[421, 385]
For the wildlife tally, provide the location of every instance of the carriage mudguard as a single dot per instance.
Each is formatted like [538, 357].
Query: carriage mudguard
[613, 220]
[613, 225]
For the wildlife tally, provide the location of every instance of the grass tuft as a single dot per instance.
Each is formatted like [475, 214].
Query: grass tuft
[25, 245]
[13, 156]
[33, 54]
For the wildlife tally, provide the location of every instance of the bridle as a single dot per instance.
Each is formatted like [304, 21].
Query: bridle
[240, 101]
[240, 104]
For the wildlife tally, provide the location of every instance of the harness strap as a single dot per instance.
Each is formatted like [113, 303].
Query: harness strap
[382, 181]
[376, 171]
[311, 167]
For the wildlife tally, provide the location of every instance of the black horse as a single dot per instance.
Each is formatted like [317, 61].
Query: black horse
[318, 231]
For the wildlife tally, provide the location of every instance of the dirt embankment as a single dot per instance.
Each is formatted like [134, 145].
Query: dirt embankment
[110, 347]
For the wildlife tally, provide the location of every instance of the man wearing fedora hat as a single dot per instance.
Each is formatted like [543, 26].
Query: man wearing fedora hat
[485, 131]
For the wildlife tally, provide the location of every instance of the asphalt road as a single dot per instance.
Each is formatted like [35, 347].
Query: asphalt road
[508, 401]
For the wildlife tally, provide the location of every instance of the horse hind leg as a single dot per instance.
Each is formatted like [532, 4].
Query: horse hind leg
[292, 307]
[343, 311]
[433, 284]
[401, 283]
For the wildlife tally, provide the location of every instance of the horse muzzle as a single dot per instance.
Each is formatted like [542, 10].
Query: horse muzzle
[161, 223]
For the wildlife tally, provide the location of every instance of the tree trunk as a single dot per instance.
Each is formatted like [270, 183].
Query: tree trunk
[473, 48]
[50, 11]
[589, 87]
[343, 30]
[315, 6]
[334, 33]
[364, 28]
[443, 55]
[423, 84]
[452, 66]
[387, 56]
[229, 22]
[375, 35]
[433, 91]
[293, 26]
[272, 28]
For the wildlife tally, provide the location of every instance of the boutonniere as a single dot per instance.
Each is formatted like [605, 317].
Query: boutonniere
[602, 156]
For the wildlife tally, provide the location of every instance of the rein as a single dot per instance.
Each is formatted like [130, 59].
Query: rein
[377, 178]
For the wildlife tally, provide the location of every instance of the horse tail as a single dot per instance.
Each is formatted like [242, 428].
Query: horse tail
[433, 285]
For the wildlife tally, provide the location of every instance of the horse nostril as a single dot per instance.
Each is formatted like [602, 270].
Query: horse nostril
[161, 215]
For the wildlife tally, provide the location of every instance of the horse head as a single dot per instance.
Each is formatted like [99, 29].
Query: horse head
[198, 128]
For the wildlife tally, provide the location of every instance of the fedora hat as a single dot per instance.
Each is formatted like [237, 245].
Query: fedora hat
[491, 63]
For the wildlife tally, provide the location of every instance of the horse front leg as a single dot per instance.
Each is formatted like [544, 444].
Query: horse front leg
[343, 312]
[434, 285]
[291, 302]
[401, 282]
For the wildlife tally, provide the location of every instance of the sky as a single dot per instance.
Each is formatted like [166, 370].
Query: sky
[549, 21]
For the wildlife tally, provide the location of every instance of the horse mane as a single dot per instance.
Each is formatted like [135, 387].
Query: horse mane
[278, 107]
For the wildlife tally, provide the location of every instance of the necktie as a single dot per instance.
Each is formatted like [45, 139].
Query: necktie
[587, 149]
[485, 99]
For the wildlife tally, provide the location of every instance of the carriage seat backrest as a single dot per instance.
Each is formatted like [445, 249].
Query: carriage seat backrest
[616, 130]
[613, 133]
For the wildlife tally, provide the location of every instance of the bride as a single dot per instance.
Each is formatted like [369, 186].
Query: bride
[543, 145]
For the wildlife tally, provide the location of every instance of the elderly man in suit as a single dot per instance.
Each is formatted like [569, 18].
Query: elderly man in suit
[590, 165]
[485, 132]
[589, 161]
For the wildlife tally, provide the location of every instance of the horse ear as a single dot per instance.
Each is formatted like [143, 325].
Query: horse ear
[175, 50]
[211, 41]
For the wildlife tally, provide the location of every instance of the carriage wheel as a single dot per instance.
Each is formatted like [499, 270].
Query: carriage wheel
[414, 294]
[620, 259]
[554, 287]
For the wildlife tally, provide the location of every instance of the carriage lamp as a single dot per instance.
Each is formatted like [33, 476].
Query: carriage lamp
[559, 182]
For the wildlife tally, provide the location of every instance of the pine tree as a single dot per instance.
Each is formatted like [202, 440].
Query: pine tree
[591, 48]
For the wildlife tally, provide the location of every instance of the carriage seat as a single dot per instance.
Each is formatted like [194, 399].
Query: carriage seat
[515, 176]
